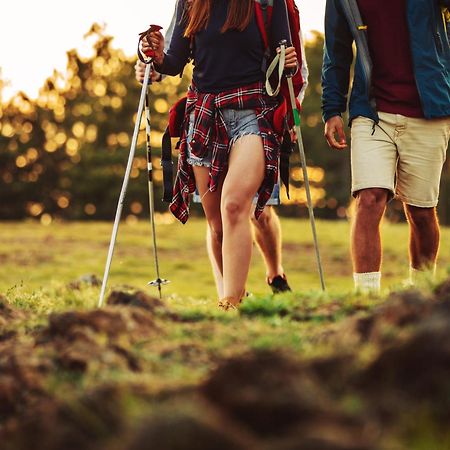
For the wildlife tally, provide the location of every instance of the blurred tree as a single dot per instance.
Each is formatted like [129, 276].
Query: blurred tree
[64, 155]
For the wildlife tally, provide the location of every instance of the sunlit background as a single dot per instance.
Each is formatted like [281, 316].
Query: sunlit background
[68, 104]
[35, 35]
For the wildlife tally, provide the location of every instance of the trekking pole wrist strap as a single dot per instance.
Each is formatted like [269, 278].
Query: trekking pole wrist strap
[279, 60]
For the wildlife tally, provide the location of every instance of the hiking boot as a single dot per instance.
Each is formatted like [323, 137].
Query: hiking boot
[279, 284]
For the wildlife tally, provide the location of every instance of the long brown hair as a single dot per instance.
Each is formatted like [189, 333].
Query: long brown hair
[239, 15]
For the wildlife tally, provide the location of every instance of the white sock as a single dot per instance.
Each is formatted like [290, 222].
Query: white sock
[416, 275]
[367, 282]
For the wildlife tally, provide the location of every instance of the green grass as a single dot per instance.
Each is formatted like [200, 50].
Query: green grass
[40, 262]
[33, 256]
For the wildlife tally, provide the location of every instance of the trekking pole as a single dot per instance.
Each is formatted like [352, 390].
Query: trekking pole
[159, 281]
[301, 149]
[124, 185]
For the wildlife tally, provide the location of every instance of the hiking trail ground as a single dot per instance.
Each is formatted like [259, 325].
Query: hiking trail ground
[301, 371]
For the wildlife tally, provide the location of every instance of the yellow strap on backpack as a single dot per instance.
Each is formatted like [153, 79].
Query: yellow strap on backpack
[446, 17]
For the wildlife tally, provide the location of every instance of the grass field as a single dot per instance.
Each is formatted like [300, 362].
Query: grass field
[300, 371]
[34, 256]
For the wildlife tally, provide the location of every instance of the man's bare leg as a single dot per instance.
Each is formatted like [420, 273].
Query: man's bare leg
[218, 278]
[268, 237]
[366, 238]
[423, 239]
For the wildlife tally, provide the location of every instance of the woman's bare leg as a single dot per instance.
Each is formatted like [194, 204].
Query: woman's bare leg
[246, 170]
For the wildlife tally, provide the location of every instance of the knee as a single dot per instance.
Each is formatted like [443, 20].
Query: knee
[372, 201]
[420, 217]
[233, 210]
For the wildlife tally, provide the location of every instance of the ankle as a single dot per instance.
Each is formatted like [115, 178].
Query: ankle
[229, 303]
[367, 282]
[417, 276]
[270, 275]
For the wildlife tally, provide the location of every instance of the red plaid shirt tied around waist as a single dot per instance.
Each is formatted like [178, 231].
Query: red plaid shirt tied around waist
[209, 136]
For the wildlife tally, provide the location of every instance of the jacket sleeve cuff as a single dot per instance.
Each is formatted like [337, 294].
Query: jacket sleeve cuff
[329, 114]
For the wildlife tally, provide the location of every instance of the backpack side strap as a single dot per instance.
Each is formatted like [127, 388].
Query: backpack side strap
[167, 166]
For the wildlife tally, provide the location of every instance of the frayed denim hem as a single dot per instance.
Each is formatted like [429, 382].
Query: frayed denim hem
[241, 135]
[198, 162]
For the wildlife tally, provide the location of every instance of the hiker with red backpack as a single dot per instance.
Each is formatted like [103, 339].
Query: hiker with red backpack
[229, 149]
[267, 228]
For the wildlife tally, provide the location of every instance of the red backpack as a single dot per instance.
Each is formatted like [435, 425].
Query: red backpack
[263, 12]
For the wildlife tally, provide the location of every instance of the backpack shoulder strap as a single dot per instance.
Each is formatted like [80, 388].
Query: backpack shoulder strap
[359, 32]
[263, 13]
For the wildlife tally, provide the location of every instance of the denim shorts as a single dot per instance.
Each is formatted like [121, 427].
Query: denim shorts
[239, 122]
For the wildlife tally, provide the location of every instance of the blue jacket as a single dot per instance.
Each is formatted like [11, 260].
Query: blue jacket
[430, 48]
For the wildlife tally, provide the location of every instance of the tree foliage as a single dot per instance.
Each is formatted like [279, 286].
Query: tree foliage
[63, 155]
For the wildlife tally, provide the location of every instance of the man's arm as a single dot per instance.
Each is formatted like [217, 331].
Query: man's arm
[337, 60]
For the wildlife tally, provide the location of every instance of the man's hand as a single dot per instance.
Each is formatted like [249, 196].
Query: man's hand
[139, 69]
[156, 44]
[333, 127]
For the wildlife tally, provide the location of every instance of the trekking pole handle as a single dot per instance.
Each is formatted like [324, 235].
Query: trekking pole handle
[288, 72]
[150, 53]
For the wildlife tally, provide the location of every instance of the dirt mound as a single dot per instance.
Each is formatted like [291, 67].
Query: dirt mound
[275, 396]
[113, 322]
[180, 431]
[85, 423]
[416, 371]
[140, 299]
[383, 325]
[22, 376]
[8, 314]
[73, 341]
[442, 292]
[78, 339]
[264, 390]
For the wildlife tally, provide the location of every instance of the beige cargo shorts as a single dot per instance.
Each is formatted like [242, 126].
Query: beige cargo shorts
[401, 154]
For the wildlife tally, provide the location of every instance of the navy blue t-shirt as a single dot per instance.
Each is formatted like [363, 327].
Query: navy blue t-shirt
[227, 60]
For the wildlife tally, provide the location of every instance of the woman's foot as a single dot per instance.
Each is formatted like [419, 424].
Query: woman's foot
[229, 303]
